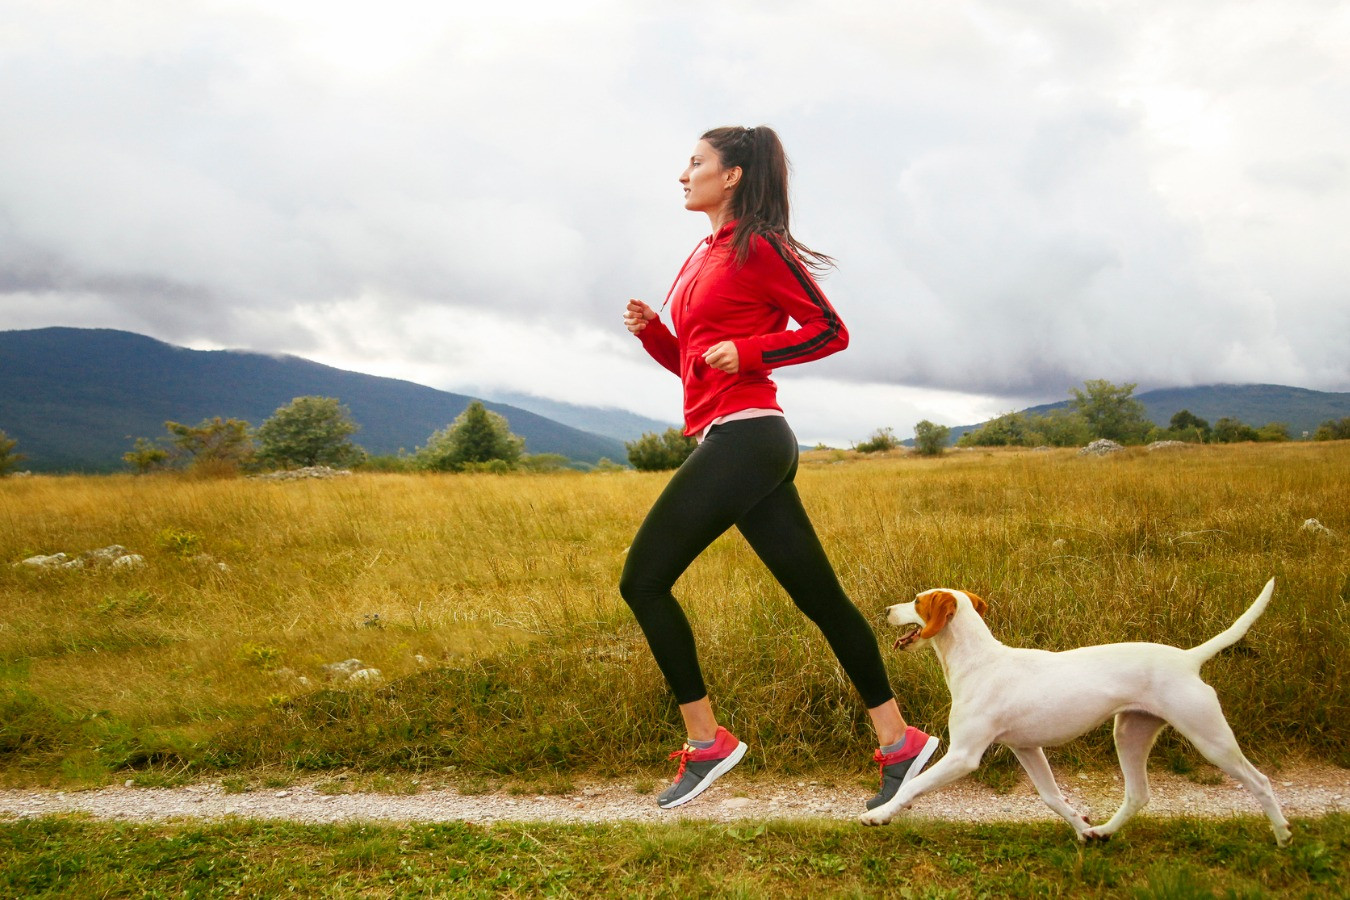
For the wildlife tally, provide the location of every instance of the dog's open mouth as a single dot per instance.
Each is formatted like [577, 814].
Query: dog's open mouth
[907, 637]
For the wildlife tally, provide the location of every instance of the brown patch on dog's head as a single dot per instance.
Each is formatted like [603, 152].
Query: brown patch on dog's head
[937, 607]
[978, 602]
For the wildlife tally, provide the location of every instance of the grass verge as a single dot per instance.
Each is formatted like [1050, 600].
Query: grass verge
[75, 857]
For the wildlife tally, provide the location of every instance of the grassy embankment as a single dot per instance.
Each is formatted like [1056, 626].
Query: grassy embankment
[532, 670]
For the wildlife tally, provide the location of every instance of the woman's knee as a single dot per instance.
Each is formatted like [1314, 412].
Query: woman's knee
[638, 589]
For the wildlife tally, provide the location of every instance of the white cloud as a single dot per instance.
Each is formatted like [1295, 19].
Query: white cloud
[1021, 196]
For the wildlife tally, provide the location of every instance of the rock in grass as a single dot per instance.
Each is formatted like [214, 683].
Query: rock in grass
[338, 671]
[1101, 448]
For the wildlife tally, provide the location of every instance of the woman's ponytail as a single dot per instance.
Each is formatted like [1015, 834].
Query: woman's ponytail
[760, 203]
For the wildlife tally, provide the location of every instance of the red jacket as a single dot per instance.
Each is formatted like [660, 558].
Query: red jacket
[714, 299]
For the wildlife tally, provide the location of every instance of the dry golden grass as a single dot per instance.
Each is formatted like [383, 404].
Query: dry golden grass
[505, 587]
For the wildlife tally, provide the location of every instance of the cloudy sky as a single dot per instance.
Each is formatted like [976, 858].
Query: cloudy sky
[1021, 195]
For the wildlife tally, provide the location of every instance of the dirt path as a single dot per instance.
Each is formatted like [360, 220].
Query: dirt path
[1305, 791]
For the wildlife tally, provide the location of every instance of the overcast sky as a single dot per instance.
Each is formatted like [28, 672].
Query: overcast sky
[1021, 195]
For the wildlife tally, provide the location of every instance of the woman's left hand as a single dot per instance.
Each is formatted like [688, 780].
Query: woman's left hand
[723, 357]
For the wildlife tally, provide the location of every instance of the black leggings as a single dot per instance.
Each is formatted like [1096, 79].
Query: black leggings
[742, 475]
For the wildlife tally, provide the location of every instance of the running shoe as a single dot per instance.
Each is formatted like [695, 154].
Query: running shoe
[899, 767]
[700, 768]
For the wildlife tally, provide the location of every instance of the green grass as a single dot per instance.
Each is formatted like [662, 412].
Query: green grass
[508, 655]
[73, 857]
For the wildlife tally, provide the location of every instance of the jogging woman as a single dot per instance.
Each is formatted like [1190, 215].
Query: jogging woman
[730, 306]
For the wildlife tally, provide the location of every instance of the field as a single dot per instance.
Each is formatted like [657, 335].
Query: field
[488, 604]
[508, 662]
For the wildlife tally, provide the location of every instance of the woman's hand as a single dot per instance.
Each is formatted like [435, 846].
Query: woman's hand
[724, 357]
[637, 315]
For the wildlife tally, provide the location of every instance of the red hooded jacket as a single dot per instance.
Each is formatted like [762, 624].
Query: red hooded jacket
[715, 299]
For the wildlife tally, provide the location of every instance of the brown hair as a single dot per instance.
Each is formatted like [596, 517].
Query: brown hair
[760, 202]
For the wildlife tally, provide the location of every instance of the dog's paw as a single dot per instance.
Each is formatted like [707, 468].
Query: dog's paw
[1093, 836]
[875, 817]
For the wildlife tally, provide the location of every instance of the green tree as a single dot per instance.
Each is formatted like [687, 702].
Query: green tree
[1060, 428]
[9, 460]
[1333, 430]
[309, 431]
[654, 452]
[930, 439]
[1187, 426]
[1011, 429]
[1112, 411]
[882, 439]
[1232, 431]
[477, 439]
[145, 456]
[213, 446]
[1273, 432]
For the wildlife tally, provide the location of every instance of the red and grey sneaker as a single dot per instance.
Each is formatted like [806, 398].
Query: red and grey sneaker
[898, 767]
[700, 768]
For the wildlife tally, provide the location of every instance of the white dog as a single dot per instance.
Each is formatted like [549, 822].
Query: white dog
[1028, 699]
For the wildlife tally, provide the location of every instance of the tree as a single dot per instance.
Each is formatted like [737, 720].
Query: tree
[212, 446]
[1011, 429]
[1187, 426]
[1333, 430]
[1111, 411]
[1232, 431]
[654, 452]
[930, 439]
[478, 438]
[145, 455]
[309, 431]
[882, 439]
[1061, 428]
[9, 460]
[1273, 432]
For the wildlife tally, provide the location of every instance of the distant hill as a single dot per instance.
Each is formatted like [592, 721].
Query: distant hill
[75, 398]
[609, 421]
[1255, 404]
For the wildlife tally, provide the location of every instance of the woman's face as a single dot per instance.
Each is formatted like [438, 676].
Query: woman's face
[707, 185]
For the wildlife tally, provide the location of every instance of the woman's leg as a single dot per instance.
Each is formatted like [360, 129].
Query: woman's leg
[779, 531]
[731, 471]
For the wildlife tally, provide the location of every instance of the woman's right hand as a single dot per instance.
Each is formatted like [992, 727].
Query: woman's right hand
[637, 315]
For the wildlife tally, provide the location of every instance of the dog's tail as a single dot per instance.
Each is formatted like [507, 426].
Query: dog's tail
[1238, 629]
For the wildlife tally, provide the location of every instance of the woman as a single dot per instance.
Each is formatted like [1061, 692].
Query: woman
[730, 306]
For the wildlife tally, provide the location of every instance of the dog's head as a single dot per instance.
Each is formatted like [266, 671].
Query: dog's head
[928, 614]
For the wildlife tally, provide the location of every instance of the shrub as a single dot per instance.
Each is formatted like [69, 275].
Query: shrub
[653, 452]
[882, 439]
[8, 458]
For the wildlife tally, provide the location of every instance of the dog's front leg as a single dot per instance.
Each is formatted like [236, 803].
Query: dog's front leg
[1038, 767]
[958, 762]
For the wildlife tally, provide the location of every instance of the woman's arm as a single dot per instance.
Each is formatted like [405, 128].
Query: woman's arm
[657, 339]
[789, 285]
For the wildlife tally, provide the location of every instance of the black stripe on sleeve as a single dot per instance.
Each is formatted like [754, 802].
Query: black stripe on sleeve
[795, 265]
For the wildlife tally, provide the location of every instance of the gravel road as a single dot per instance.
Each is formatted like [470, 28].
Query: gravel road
[1305, 791]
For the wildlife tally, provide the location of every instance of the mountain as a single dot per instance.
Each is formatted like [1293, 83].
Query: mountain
[76, 398]
[1255, 404]
[609, 421]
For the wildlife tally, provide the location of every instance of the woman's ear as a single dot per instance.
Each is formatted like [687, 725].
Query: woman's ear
[731, 177]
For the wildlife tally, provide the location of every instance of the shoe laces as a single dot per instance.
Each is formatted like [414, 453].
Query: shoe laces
[684, 754]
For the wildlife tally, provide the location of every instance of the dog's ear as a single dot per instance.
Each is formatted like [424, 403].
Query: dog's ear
[937, 609]
[978, 602]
